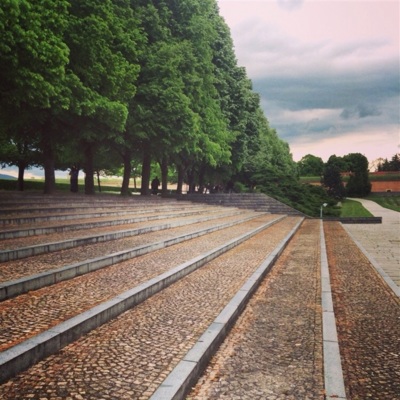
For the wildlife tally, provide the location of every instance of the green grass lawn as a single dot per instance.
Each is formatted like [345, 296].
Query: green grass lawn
[391, 202]
[352, 208]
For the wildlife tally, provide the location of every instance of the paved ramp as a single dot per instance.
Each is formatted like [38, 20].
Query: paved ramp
[381, 242]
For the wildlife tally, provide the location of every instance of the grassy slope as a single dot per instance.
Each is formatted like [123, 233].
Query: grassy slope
[391, 202]
[352, 208]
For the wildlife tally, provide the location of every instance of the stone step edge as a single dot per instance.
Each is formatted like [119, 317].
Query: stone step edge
[44, 206]
[62, 209]
[19, 233]
[29, 251]
[67, 217]
[186, 373]
[23, 355]
[333, 374]
[10, 289]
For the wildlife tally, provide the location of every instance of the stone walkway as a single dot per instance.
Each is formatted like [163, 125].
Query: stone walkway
[380, 242]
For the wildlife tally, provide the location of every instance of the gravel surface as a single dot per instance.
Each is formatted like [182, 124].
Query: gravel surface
[274, 351]
[368, 321]
[129, 357]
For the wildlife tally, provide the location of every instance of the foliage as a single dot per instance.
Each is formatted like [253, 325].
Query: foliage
[332, 180]
[287, 189]
[392, 165]
[310, 165]
[149, 85]
[358, 184]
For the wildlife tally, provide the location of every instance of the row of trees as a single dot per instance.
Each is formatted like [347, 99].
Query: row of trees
[112, 84]
[354, 165]
[392, 165]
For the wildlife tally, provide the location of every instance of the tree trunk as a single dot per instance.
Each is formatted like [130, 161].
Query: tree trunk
[127, 174]
[164, 176]
[146, 165]
[191, 180]
[98, 180]
[21, 171]
[89, 169]
[181, 174]
[202, 173]
[48, 163]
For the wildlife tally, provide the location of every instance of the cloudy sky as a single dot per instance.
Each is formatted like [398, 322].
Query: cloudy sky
[327, 71]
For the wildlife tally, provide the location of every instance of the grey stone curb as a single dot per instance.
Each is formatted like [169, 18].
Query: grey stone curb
[27, 353]
[16, 287]
[18, 233]
[178, 383]
[24, 252]
[333, 374]
[376, 265]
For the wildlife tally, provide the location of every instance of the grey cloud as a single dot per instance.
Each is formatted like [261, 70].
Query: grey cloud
[365, 89]
[354, 102]
[360, 111]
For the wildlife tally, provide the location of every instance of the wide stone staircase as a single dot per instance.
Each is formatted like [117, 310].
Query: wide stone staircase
[252, 201]
[72, 265]
[107, 297]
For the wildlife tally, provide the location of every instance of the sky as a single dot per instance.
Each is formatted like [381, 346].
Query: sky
[327, 71]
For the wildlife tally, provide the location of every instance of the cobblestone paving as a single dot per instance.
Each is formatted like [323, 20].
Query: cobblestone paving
[29, 266]
[368, 321]
[129, 357]
[80, 223]
[38, 310]
[16, 243]
[274, 351]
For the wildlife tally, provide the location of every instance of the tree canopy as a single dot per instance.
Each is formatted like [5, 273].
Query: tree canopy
[105, 85]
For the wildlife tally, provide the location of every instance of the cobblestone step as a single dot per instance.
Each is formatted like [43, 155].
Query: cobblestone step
[125, 218]
[112, 211]
[24, 354]
[47, 247]
[16, 287]
[186, 373]
[255, 201]
[17, 269]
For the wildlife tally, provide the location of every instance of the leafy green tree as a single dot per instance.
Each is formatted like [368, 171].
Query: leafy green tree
[392, 165]
[161, 120]
[310, 165]
[340, 162]
[102, 38]
[359, 184]
[332, 179]
[395, 162]
[33, 58]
